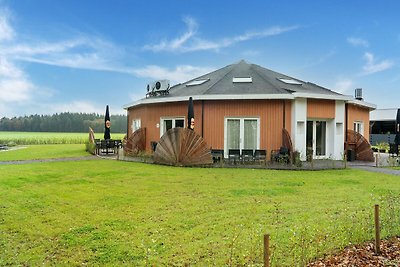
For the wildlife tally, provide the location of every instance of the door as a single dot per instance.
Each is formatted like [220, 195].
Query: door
[316, 139]
[241, 133]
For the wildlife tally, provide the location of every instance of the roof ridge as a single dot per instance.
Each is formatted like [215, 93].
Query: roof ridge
[229, 71]
[254, 67]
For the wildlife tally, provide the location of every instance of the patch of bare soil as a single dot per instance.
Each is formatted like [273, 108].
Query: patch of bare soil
[364, 255]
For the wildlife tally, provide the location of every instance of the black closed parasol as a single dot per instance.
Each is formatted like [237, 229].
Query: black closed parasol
[190, 117]
[107, 125]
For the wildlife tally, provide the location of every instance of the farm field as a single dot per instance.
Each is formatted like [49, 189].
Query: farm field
[121, 213]
[40, 138]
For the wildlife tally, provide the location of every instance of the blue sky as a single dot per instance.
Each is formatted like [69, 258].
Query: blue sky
[79, 56]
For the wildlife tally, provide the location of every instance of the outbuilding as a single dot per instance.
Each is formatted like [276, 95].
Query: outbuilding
[245, 106]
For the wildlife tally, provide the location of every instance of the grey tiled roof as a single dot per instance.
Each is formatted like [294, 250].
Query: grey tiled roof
[264, 81]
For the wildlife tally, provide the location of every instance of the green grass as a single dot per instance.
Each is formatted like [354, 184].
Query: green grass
[39, 138]
[44, 152]
[121, 213]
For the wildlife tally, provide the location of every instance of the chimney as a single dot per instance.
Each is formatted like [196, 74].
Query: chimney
[358, 94]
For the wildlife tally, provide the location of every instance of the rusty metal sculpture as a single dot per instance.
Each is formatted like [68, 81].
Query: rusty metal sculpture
[286, 140]
[360, 145]
[136, 142]
[182, 147]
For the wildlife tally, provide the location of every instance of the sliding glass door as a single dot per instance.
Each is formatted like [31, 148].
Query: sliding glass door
[316, 138]
[233, 133]
[242, 133]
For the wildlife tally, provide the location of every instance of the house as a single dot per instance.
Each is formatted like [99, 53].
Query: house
[383, 125]
[246, 106]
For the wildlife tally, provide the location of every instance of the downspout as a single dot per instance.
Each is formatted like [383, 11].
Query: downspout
[284, 114]
[127, 124]
[202, 118]
[346, 124]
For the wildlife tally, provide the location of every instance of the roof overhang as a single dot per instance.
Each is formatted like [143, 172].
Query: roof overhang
[168, 99]
[370, 106]
[156, 100]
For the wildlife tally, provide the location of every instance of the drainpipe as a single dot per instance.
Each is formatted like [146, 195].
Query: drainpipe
[284, 114]
[346, 123]
[202, 118]
[127, 124]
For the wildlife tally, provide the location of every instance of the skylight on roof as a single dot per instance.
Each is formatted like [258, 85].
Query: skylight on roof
[242, 79]
[290, 81]
[197, 82]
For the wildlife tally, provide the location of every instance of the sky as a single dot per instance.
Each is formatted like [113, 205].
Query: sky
[79, 56]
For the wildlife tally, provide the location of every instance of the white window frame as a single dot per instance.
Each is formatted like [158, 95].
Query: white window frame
[163, 119]
[314, 138]
[136, 125]
[360, 126]
[241, 125]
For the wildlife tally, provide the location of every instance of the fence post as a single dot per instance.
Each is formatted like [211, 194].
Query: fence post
[377, 231]
[266, 250]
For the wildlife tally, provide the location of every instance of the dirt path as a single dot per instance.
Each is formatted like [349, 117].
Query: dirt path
[16, 162]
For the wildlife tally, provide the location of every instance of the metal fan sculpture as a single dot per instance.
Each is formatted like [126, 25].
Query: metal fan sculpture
[136, 142]
[91, 136]
[182, 147]
[360, 145]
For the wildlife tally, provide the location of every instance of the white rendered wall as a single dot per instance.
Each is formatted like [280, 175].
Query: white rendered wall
[339, 131]
[299, 122]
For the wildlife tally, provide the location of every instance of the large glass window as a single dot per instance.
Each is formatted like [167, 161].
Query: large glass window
[242, 133]
[320, 135]
[169, 123]
[233, 134]
[250, 134]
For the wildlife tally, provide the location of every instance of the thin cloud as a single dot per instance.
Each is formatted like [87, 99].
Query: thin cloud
[189, 42]
[179, 74]
[80, 53]
[344, 86]
[6, 31]
[372, 66]
[354, 41]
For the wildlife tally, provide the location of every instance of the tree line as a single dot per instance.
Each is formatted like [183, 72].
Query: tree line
[63, 122]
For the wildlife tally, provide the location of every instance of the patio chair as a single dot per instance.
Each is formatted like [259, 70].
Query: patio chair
[217, 155]
[260, 155]
[234, 155]
[247, 155]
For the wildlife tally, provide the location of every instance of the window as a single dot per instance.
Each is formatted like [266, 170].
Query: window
[197, 82]
[358, 127]
[289, 81]
[242, 79]
[135, 125]
[169, 123]
[242, 133]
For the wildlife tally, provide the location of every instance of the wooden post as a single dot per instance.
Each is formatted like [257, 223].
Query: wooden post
[377, 231]
[266, 250]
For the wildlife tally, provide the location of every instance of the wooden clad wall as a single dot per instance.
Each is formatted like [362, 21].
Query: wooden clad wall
[270, 113]
[320, 108]
[150, 116]
[358, 113]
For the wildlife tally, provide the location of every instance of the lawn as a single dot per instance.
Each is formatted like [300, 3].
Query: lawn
[40, 138]
[43, 152]
[120, 213]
